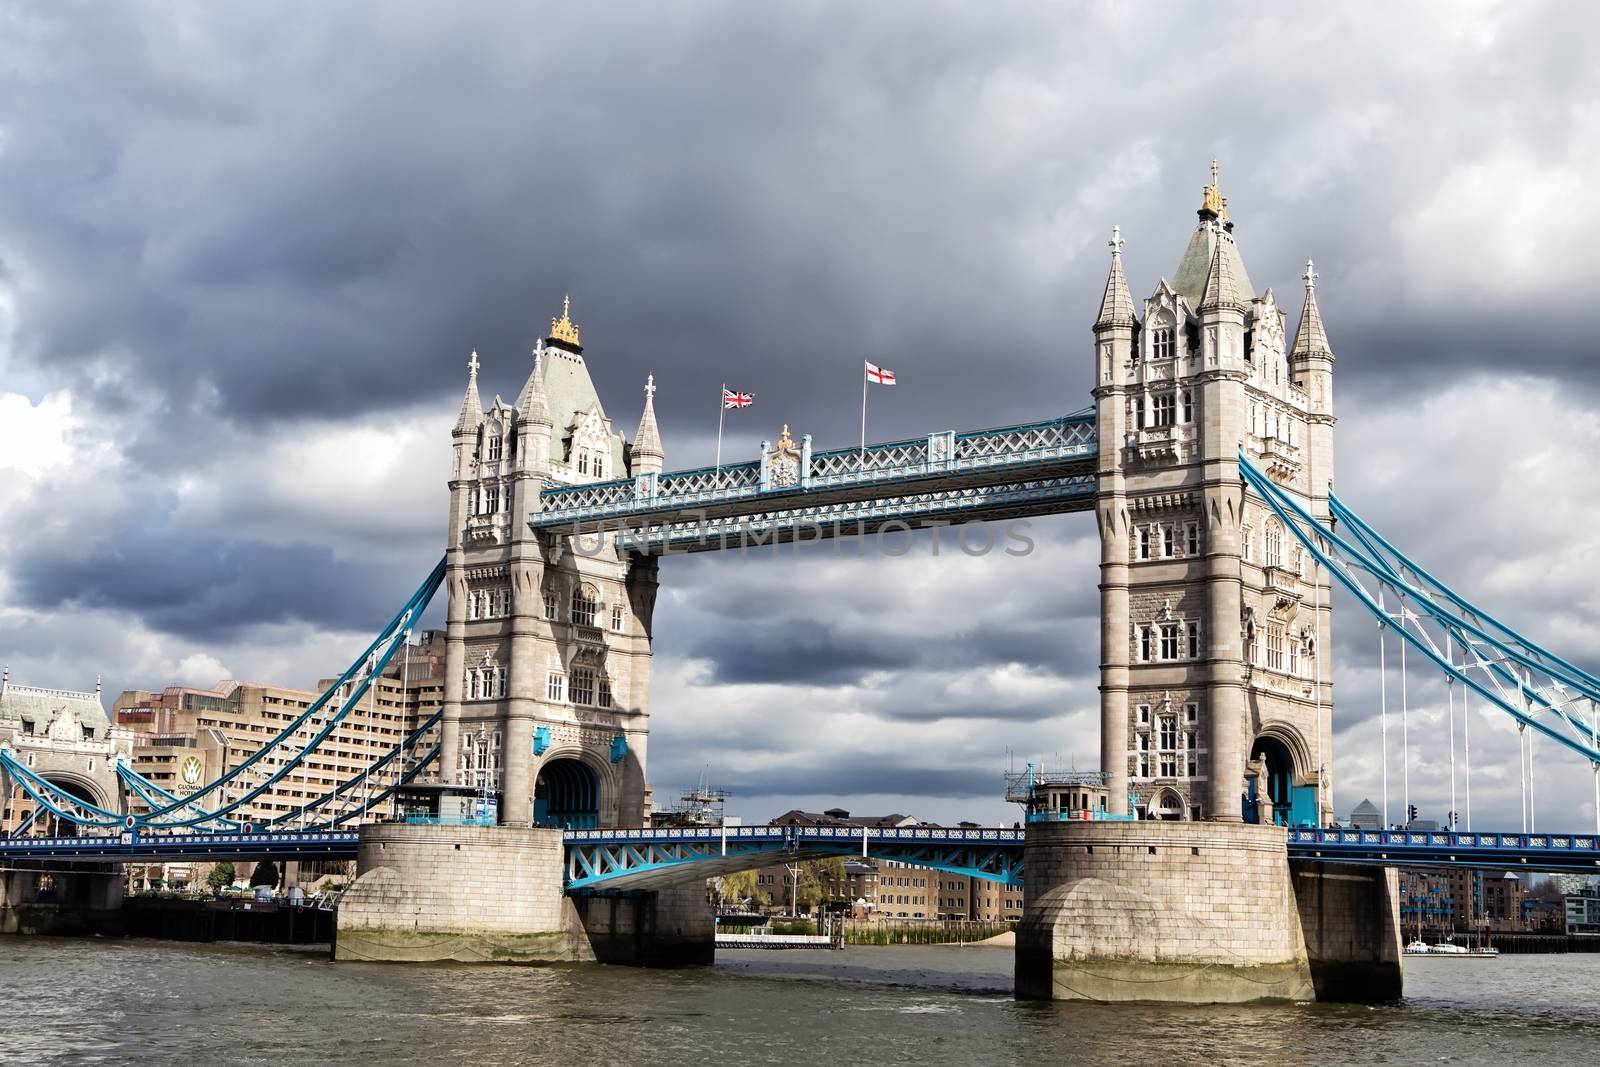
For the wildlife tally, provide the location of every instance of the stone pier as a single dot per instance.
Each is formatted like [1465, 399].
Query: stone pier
[83, 899]
[1195, 912]
[475, 894]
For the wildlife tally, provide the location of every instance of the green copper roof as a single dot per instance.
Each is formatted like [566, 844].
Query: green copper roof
[41, 707]
[1190, 282]
[570, 392]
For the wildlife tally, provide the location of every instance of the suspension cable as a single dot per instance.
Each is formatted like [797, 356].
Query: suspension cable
[1405, 721]
[1383, 709]
[1466, 743]
[1450, 692]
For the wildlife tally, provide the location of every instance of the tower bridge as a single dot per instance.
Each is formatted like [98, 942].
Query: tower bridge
[1207, 462]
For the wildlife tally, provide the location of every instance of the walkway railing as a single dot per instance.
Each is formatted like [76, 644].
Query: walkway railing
[952, 458]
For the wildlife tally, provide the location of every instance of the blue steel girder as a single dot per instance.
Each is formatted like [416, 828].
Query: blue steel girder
[1414, 848]
[807, 520]
[649, 858]
[130, 847]
[920, 480]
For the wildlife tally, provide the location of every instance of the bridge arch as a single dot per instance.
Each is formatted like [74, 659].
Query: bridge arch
[1166, 805]
[79, 785]
[1286, 761]
[573, 790]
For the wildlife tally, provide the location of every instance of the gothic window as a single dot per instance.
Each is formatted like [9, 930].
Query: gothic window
[1191, 633]
[1167, 547]
[1146, 639]
[1161, 343]
[492, 449]
[556, 687]
[1144, 542]
[583, 463]
[502, 601]
[472, 604]
[582, 685]
[1274, 544]
[491, 500]
[472, 684]
[1144, 755]
[500, 682]
[603, 694]
[1188, 406]
[1169, 640]
[550, 605]
[1294, 657]
[1191, 713]
[1274, 645]
[599, 465]
[616, 617]
[584, 605]
[1191, 534]
[1144, 714]
[1161, 409]
[1245, 544]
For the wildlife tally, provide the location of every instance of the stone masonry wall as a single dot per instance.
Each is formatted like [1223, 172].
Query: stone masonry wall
[1176, 911]
[466, 893]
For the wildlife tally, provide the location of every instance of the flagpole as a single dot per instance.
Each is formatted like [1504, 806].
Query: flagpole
[863, 410]
[722, 413]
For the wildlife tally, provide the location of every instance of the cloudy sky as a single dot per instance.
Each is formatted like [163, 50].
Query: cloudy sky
[246, 250]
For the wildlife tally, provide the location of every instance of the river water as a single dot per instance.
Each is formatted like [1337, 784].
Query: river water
[116, 1002]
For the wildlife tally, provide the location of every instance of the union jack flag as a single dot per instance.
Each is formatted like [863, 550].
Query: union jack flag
[731, 399]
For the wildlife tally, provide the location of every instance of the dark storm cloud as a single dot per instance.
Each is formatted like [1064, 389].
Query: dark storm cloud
[220, 199]
[207, 588]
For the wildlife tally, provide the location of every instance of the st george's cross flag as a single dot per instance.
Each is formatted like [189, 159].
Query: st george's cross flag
[731, 399]
[879, 375]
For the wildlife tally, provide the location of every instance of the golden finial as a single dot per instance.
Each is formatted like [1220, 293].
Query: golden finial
[564, 329]
[784, 440]
[1212, 200]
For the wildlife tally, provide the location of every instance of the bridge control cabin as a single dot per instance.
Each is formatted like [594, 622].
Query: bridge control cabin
[1062, 796]
[446, 805]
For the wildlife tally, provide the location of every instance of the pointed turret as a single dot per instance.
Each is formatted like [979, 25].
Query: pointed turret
[1116, 306]
[1310, 339]
[647, 453]
[1221, 288]
[471, 409]
[532, 404]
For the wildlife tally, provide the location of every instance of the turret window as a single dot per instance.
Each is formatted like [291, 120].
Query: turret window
[585, 605]
[492, 448]
[583, 463]
[1161, 409]
[1274, 545]
[556, 687]
[1167, 542]
[582, 685]
[1169, 640]
[1144, 542]
[1188, 405]
[550, 605]
[616, 617]
[1161, 344]
[1191, 535]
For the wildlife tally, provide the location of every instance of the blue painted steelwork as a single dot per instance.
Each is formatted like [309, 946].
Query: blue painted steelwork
[323, 844]
[541, 740]
[651, 857]
[1412, 848]
[619, 748]
[910, 481]
[1536, 688]
[282, 753]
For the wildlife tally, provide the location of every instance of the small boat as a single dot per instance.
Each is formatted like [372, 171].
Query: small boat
[1451, 949]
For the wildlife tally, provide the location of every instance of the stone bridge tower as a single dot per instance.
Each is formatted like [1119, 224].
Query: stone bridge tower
[548, 639]
[1216, 698]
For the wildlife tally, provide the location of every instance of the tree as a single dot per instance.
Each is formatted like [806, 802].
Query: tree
[738, 887]
[822, 881]
[221, 875]
[266, 873]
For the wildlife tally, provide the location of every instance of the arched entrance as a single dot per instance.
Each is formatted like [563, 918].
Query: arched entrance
[1166, 806]
[1290, 807]
[47, 824]
[566, 795]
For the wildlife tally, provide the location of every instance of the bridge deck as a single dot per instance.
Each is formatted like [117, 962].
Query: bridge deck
[1034, 468]
[645, 857]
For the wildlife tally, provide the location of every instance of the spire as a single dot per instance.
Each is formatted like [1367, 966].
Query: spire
[5, 679]
[533, 405]
[1310, 338]
[1213, 205]
[1221, 289]
[563, 330]
[471, 409]
[647, 442]
[1116, 307]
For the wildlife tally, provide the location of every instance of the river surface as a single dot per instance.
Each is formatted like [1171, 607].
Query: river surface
[145, 1002]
